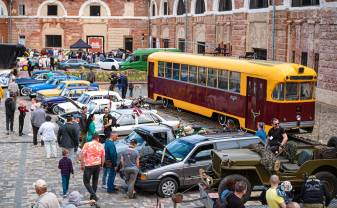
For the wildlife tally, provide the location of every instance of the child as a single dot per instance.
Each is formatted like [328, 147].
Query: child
[66, 167]
[284, 191]
[23, 110]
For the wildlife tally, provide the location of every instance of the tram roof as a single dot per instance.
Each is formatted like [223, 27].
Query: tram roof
[270, 69]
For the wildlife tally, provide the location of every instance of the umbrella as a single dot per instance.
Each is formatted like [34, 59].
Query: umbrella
[80, 44]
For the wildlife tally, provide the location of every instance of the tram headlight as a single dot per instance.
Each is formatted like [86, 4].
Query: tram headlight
[298, 117]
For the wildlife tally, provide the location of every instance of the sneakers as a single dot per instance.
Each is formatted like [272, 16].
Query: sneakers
[104, 186]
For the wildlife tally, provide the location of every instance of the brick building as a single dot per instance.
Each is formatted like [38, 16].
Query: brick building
[305, 30]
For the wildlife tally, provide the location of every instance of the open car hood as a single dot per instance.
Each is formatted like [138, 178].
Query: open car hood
[73, 102]
[153, 142]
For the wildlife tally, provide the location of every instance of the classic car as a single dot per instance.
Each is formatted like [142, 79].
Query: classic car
[85, 98]
[69, 94]
[41, 94]
[75, 63]
[39, 76]
[51, 83]
[127, 121]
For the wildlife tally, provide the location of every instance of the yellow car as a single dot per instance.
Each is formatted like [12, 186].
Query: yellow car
[41, 94]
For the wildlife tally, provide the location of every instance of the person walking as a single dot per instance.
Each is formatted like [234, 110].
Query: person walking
[68, 137]
[66, 167]
[10, 107]
[47, 132]
[38, 117]
[13, 89]
[52, 62]
[273, 199]
[91, 128]
[92, 160]
[91, 77]
[234, 199]
[124, 84]
[131, 86]
[46, 199]
[33, 105]
[130, 167]
[314, 194]
[83, 125]
[23, 110]
[110, 162]
[113, 81]
[261, 132]
[277, 138]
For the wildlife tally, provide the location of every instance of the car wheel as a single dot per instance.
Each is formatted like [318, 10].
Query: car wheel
[55, 109]
[113, 68]
[233, 178]
[167, 187]
[329, 180]
[222, 119]
[24, 91]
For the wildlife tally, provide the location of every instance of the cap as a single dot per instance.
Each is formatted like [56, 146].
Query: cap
[133, 141]
[40, 183]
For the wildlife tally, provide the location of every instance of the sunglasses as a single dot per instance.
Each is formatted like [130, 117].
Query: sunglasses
[276, 124]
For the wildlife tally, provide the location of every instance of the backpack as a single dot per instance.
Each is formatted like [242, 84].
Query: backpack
[222, 201]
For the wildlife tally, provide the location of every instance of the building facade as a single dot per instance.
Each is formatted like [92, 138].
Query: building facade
[305, 31]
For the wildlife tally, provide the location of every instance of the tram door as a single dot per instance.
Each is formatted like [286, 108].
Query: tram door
[150, 74]
[256, 101]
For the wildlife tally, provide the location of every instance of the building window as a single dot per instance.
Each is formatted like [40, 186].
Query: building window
[260, 53]
[165, 8]
[304, 58]
[52, 10]
[22, 10]
[95, 10]
[199, 7]
[53, 41]
[302, 3]
[316, 62]
[154, 42]
[201, 47]
[181, 7]
[181, 44]
[153, 10]
[258, 4]
[225, 5]
[293, 56]
[166, 43]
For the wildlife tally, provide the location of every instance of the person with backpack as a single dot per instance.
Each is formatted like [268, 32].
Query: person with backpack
[314, 194]
[10, 106]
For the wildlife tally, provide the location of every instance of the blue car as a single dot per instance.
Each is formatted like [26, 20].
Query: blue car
[68, 94]
[75, 63]
[51, 83]
[40, 76]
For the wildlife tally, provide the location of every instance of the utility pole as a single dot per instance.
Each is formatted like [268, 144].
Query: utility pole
[10, 22]
[186, 19]
[273, 30]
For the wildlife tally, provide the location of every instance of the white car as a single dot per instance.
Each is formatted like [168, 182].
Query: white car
[110, 63]
[126, 119]
[85, 98]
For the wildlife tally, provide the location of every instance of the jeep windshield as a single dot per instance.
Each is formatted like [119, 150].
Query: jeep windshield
[179, 149]
[84, 99]
[133, 135]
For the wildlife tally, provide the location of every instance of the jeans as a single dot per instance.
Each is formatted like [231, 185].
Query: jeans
[111, 179]
[50, 147]
[105, 173]
[35, 130]
[9, 122]
[130, 179]
[21, 123]
[124, 89]
[131, 92]
[91, 173]
[65, 183]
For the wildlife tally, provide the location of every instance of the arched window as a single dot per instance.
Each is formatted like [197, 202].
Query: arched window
[165, 8]
[225, 5]
[3, 9]
[153, 9]
[181, 7]
[199, 7]
[258, 4]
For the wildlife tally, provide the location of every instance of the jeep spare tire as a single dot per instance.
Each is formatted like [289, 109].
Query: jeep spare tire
[329, 180]
[231, 179]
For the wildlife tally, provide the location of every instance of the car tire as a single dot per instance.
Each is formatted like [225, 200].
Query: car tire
[167, 187]
[113, 68]
[223, 185]
[24, 91]
[329, 180]
[55, 109]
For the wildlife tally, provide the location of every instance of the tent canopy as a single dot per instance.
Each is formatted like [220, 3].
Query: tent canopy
[80, 44]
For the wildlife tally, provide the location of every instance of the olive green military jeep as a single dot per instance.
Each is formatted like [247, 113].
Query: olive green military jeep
[251, 165]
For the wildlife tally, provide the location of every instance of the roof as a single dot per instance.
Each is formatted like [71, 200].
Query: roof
[104, 92]
[203, 138]
[154, 128]
[80, 44]
[271, 70]
[130, 111]
[75, 81]
[100, 101]
[81, 87]
[153, 50]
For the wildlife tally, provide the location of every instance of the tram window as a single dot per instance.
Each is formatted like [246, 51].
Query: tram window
[212, 80]
[193, 74]
[176, 68]
[292, 91]
[168, 70]
[306, 91]
[202, 76]
[234, 82]
[161, 69]
[223, 79]
[278, 93]
[184, 72]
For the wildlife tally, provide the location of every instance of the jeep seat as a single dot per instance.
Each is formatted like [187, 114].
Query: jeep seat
[304, 156]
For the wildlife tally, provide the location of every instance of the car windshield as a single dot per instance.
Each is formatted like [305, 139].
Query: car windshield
[294, 91]
[119, 59]
[83, 99]
[136, 136]
[180, 148]
[130, 58]
[35, 76]
[61, 86]
[65, 92]
[50, 81]
[91, 107]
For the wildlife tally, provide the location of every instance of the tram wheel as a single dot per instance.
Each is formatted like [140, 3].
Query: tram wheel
[165, 103]
[222, 119]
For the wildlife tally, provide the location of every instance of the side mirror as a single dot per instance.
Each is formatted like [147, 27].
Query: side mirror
[191, 160]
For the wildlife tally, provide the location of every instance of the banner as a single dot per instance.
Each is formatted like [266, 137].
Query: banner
[97, 44]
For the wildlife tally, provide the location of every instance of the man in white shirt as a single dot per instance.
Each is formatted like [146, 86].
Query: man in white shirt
[46, 199]
[47, 132]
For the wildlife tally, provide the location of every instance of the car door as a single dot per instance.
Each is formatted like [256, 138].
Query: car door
[126, 124]
[200, 158]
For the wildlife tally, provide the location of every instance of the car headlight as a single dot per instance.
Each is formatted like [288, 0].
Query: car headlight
[143, 176]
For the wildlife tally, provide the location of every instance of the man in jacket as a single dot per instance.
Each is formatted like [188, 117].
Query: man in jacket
[111, 161]
[47, 132]
[68, 137]
[37, 118]
[83, 125]
[314, 194]
[124, 84]
[13, 89]
[10, 110]
[91, 76]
